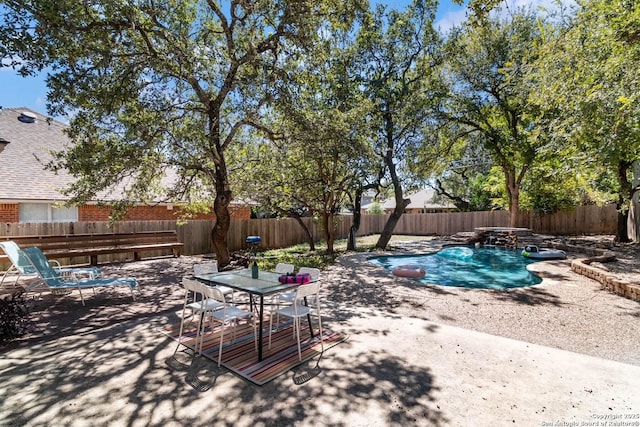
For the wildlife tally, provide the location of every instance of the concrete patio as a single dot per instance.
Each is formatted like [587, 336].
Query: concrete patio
[563, 351]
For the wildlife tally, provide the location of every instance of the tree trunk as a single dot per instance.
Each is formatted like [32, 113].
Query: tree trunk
[330, 233]
[514, 210]
[307, 232]
[622, 205]
[401, 202]
[622, 235]
[355, 223]
[513, 193]
[391, 223]
[221, 227]
[223, 194]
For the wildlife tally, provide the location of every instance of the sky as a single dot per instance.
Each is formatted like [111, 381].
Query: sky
[31, 92]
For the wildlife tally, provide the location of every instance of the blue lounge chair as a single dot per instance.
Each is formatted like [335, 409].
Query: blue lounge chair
[22, 267]
[56, 282]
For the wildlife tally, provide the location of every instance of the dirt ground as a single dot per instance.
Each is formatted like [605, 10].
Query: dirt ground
[564, 351]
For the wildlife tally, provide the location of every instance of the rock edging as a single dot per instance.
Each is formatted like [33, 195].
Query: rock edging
[607, 280]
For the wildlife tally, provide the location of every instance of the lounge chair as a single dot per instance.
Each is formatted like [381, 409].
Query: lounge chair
[56, 282]
[22, 267]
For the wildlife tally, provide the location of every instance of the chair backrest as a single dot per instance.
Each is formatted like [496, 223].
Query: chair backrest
[284, 268]
[314, 272]
[213, 292]
[16, 257]
[310, 289]
[192, 285]
[205, 268]
[42, 267]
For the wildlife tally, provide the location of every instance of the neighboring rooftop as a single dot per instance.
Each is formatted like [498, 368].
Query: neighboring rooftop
[27, 139]
[419, 200]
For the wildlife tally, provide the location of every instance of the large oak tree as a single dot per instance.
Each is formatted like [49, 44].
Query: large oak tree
[589, 82]
[398, 55]
[158, 87]
[487, 69]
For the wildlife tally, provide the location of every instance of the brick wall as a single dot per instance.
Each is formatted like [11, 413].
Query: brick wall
[9, 213]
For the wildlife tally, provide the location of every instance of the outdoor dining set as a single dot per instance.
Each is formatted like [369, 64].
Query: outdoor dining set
[213, 296]
[214, 300]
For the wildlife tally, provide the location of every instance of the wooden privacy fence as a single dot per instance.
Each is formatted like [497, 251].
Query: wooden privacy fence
[278, 233]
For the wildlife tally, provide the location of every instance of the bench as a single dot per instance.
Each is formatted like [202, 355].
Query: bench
[93, 245]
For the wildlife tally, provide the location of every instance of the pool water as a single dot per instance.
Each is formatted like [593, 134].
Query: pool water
[468, 267]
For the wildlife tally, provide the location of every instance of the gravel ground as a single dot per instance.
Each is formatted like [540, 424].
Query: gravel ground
[566, 311]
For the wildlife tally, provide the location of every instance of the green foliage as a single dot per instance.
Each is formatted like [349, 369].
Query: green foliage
[398, 53]
[375, 209]
[480, 196]
[14, 318]
[319, 150]
[589, 88]
[488, 101]
[300, 255]
[160, 91]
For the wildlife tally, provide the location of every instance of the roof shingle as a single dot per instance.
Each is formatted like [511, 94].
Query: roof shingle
[27, 149]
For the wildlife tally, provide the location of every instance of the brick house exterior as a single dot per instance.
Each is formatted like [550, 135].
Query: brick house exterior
[9, 213]
[26, 139]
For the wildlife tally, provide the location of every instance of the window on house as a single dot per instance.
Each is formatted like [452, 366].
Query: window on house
[47, 212]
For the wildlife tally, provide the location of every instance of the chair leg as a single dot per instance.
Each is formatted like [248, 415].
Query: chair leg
[296, 323]
[270, 327]
[200, 333]
[180, 333]
[320, 333]
[255, 335]
[221, 341]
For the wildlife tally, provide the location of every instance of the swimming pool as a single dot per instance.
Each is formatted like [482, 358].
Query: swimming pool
[468, 267]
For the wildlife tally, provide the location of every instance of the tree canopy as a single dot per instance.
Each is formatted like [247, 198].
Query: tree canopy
[588, 83]
[159, 86]
[314, 101]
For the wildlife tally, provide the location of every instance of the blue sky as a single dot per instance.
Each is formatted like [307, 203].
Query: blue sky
[31, 92]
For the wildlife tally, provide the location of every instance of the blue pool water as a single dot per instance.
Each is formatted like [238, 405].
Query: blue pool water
[469, 267]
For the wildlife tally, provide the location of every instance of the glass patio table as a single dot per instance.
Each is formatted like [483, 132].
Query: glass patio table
[266, 284]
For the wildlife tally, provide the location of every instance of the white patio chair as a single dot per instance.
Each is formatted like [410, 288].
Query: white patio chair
[210, 268]
[199, 306]
[286, 298]
[229, 314]
[284, 268]
[298, 310]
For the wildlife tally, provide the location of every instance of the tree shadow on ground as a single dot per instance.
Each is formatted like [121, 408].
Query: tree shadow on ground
[159, 293]
[530, 296]
[87, 377]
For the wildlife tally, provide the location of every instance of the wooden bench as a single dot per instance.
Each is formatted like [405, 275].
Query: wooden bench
[92, 245]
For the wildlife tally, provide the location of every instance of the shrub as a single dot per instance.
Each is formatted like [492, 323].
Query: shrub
[14, 317]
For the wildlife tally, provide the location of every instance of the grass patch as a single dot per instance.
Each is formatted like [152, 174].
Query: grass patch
[300, 255]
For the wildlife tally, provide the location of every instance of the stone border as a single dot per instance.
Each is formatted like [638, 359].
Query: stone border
[608, 281]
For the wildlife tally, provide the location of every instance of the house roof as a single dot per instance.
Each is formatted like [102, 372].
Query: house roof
[419, 200]
[28, 139]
